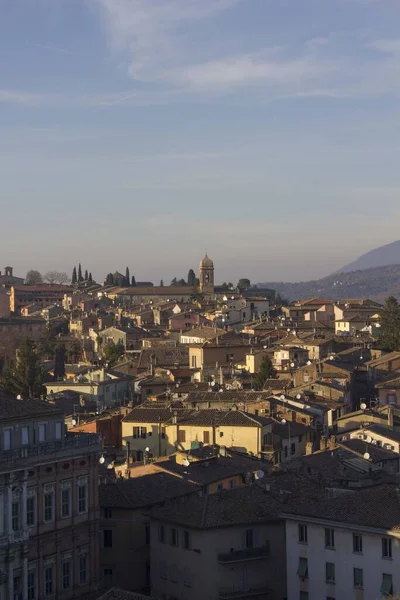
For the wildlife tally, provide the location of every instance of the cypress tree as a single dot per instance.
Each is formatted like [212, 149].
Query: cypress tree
[80, 278]
[127, 277]
[74, 278]
[133, 281]
[86, 275]
[90, 279]
[191, 278]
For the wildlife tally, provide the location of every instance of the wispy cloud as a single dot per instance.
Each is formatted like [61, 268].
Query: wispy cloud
[23, 98]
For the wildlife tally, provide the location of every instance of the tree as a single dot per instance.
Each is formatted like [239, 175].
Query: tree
[266, 372]
[191, 279]
[110, 279]
[86, 275]
[113, 352]
[90, 279]
[74, 278]
[161, 283]
[181, 282]
[174, 281]
[33, 278]
[28, 376]
[133, 283]
[127, 277]
[47, 344]
[243, 284]
[80, 278]
[389, 337]
[59, 364]
[56, 277]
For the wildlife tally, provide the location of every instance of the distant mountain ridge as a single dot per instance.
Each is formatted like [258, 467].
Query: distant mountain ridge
[376, 283]
[379, 257]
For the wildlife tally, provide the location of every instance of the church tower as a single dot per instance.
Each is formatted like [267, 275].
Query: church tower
[206, 275]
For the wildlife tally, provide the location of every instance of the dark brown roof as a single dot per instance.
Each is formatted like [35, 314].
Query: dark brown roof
[164, 357]
[148, 415]
[377, 507]
[11, 408]
[147, 490]
[377, 454]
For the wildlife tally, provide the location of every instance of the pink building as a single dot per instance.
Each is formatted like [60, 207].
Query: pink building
[187, 320]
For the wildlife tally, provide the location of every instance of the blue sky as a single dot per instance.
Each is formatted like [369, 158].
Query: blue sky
[142, 132]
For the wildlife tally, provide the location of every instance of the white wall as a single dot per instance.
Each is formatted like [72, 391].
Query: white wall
[345, 560]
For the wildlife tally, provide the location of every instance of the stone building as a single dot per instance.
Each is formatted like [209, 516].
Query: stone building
[48, 504]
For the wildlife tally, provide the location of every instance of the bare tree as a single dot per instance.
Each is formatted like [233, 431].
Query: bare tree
[33, 277]
[56, 277]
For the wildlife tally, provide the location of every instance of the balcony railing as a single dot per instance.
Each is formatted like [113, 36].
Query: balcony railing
[244, 554]
[14, 537]
[72, 445]
[245, 591]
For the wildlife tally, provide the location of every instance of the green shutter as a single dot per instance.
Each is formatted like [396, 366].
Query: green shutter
[302, 570]
[387, 584]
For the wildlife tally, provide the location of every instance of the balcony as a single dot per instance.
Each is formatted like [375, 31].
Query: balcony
[246, 591]
[73, 444]
[14, 537]
[244, 554]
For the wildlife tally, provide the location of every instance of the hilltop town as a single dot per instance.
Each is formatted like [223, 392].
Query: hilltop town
[196, 440]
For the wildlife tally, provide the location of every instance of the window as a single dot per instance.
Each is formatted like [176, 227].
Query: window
[194, 362]
[31, 585]
[30, 511]
[49, 580]
[206, 437]
[25, 436]
[249, 538]
[107, 513]
[48, 500]
[387, 584]
[302, 570]
[42, 432]
[232, 483]
[386, 548]
[330, 572]
[15, 515]
[161, 534]
[66, 503]
[303, 534]
[58, 431]
[357, 544]
[6, 439]
[303, 596]
[293, 448]
[82, 495]
[182, 435]
[17, 586]
[174, 537]
[220, 487]
[329, 538]
[147, 533]
[108, 578]
[187, 578]
[83, 568]
[163, 570]
[163, 433]
[358, 578]
[66, 574]
[107, 538]
[186, 540]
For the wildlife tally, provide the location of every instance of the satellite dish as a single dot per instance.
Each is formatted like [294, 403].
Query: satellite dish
[212, 383]
[298, 396]
[283, 422]
[110, 466]
[259, 474]
[292, 365]
[331, 357]
[369, 439]
[147, 449]
[363, 406]
[73, 422]
[102, 460]
[186, 462]
[309, 362]
[367, 456]
[282, 397]
[19, 397]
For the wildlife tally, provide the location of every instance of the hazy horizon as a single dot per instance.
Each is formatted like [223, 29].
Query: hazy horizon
[141, 134]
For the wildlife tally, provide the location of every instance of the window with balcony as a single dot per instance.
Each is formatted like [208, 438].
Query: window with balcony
[24, 436]
[387, 584]
[357, 543]
[330, 572]
[49, 580]
[83, 568]
[6, 439]
[303, 533]
[386, 548]
[66, 573]
[358, 578]
[82, 495]
[42, 432]
[31, 511]
[329, 538]
[58, 430]
[16, 515]
[66, 503]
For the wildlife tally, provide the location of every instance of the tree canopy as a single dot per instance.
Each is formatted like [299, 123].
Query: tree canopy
[243, 283]
[27, 378]
[33, 277]
[266, 372]
[113, 352]
[56, 277]
[389, 337]
[191, 279]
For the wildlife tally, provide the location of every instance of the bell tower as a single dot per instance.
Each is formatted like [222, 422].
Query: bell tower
[206, 275]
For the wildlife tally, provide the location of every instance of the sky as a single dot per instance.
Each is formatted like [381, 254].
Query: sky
[147, 132]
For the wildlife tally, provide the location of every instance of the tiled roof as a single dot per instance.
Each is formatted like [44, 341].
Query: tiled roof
[148, 415]
[221, 418]
[147, 490]
[118, 594]
[11, 408]
[360, 447]
[232, 396]
[384, 431]
[377, 507]
[164, 357]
